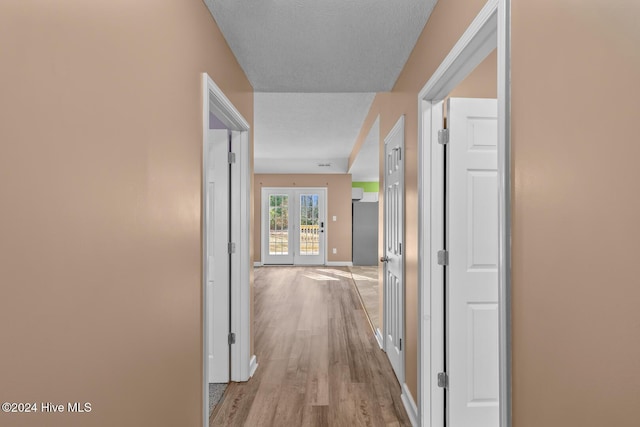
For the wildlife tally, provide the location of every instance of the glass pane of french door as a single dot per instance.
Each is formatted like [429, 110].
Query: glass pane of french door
[309, 224]
[278, 224]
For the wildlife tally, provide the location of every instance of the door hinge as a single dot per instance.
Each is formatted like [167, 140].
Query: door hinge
[443, 380]
[400, 344]
[400, 248]
[399, 153]
[443, 257]
[443, 136]
[232, 338]
[231, 247]
[232, 158]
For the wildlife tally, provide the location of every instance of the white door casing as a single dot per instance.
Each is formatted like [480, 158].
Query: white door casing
[294, 226]
[472, 271]
[243, 363]
[217, 255]
[393, 258]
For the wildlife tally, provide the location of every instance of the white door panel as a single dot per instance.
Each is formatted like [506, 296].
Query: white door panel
[472, 274]
[217, 217]
[393, 252]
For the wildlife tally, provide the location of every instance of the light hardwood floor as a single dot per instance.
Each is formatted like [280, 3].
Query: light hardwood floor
[367, 282]
[318, 362]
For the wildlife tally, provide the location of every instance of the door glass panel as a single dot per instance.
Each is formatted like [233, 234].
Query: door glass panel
[309, 225]
[278, 224]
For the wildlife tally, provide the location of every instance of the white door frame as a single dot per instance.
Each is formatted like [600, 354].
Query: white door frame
[263, 228]
[242, 363]
[489, 30]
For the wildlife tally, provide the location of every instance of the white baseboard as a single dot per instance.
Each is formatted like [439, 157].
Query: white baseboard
[338, 264]
[409, 405]
[257, 263]
[378, 336]
[253, 365]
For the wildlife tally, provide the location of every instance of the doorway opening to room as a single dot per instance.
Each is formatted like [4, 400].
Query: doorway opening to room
[366, 219]
[464, 235]
[225, 245]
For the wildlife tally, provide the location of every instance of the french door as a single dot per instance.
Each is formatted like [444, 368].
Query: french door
[293, 226]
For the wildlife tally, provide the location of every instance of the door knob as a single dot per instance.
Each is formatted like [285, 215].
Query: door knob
[384, 259]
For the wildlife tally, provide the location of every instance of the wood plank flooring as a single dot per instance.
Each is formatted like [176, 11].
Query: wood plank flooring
[367, 283]
[318, 362]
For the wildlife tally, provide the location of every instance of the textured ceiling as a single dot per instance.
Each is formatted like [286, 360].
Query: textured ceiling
[315, 66]
[321, 45]
[293, 132]
[366, 166]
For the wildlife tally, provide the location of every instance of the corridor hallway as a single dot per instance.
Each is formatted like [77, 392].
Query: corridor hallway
[319, 364]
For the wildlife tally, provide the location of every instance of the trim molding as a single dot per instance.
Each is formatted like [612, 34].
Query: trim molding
[478, 41]
[223, 108]
[409, 405]
[378, 336]
[253, 365]
[241, 263]
[338, 264]
[257, 263]
[504, 210]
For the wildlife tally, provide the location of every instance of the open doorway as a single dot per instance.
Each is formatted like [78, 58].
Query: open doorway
[464, 231]
[366, 216]
[225, 244]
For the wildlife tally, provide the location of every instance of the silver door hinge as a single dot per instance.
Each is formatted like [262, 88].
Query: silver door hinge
[400, 248]
[443, 136]
[400, 344]
[443, 380]
[232, 158]
[232, 248]
[399, 153]
[443, 257]
[232, 338]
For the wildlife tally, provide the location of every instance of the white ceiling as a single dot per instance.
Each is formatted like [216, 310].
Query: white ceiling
[315, 66]
[366, 165]
[294, 132]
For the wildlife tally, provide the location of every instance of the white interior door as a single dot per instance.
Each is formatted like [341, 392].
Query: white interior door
[294, 222]
[393, 255]
[472, 273]
[217, 254]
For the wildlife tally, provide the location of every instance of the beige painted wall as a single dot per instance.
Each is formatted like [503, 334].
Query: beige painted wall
[100, 139]
[576, 212]
[100, 183]
[338, 204]
[576, 344]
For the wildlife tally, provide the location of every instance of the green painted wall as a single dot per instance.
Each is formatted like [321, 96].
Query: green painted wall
[367, 187]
